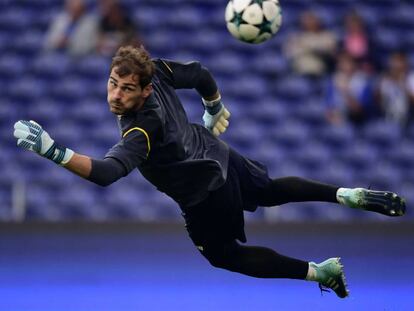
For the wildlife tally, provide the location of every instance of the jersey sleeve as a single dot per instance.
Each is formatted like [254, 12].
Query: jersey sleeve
[138, 137]
[191, 75]
[132, 150]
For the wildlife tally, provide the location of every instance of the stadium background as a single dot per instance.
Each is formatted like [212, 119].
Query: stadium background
[67, 244]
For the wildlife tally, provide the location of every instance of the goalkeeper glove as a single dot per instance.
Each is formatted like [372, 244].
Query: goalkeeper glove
[31, 136]
[215, 116]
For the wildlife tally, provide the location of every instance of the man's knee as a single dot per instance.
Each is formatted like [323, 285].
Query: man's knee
[223, 256]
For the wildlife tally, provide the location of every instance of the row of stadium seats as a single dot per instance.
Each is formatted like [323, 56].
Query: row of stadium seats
[361, 165]
[277, 117]
[199, 28]
[203, 43]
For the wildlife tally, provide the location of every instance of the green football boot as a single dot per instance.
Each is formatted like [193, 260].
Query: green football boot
[330, 275]
[383, 202]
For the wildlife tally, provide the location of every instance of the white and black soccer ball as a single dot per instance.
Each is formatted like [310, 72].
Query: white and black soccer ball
[253, 21]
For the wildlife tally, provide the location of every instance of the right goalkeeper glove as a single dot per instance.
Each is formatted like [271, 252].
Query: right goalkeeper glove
[32, 137]
[215, 116]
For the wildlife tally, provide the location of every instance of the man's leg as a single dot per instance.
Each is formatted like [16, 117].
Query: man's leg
[255, 261]
[262, 262]
[295, 189]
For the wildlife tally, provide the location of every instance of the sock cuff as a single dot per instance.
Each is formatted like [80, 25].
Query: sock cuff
[311, 275]
[341, 193]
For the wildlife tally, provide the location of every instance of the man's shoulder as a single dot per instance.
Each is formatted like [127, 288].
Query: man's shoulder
[163, 69]
[149, 119]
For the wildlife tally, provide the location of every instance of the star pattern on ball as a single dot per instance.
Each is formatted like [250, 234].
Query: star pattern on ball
[238, 19]
[266, 27]
[253, 21]
[259, 2]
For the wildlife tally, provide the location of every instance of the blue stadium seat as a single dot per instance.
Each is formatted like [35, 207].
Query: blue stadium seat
[290, 134]
[406, 191]
[105, 134]
[27, 88]
[289, 168]
[295, 88]
[383, 135]
[93, 67]
[50, 66]
[336, 172]
[401, 155]
[5, 38]
[66, 131]
[159, 43]
[41, 4]
[14, 19]
[8, 113]
[291, 11]
[270, 154]
[124, 196]
[208, 42]
[89, 112]
[409, 45]
[28, 44]
[185, 17]
[312, 156]
[388, 40]
[11, 66]
[247, 88]
[70, 89]
[311, 112]
[330, 15]
[78, 201]
[227, 63]
[39, 196]
[244, 135]
[360, 155]
[56, 178]
[400, 16]
[337, 137]
[386, 176]
[267, 111]
[149, 17]
[45, 111]
[92, 149]
[271, 63]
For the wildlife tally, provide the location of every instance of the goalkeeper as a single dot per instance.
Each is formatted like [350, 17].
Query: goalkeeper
[210, 181]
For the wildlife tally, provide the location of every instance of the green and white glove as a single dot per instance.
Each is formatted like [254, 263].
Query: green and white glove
[215, 116]
[32, 137]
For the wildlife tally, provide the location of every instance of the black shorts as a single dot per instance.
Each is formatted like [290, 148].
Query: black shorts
[219, 218]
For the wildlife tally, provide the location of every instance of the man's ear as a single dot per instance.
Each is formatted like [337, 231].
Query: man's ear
[147, 90]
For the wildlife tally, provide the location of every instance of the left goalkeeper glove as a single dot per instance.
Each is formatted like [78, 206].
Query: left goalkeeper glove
[215, 116]
[32, 137]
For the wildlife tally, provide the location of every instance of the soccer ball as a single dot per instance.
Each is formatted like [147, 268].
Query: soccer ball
[253, 21]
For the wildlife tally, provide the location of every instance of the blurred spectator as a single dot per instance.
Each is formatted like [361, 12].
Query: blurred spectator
[311, 50]
[396, 89]
[115, 28]
[73, 30]
[355, 40]
[350, 93]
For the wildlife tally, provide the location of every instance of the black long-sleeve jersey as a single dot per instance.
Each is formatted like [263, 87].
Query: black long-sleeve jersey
[182, 159]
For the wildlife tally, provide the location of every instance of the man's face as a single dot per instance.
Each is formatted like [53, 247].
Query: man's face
[125, 94]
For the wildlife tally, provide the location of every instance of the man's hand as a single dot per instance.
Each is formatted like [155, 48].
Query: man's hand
[32, 137]
[215, 117]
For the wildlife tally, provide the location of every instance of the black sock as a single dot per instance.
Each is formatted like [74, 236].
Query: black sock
[262, 262]
[296, 189]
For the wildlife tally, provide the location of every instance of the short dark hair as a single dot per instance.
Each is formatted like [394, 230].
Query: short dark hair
[136, 61]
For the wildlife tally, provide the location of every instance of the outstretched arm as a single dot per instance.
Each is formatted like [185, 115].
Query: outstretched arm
[31, 136]
[80, 165]
[193, 75]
